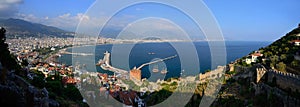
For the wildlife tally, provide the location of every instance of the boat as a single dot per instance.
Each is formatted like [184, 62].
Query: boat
[155, 69]
[164, 71]
[151, 53]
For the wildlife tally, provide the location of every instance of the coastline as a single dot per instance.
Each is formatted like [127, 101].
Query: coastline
[230, 59]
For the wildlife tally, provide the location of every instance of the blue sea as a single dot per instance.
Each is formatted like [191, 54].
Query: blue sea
[193, 57]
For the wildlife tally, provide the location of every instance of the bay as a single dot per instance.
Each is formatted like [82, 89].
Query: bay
[145, 52]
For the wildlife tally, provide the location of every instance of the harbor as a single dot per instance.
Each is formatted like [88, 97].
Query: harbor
[133, 74]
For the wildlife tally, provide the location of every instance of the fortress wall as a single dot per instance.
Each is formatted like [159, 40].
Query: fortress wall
[217, 73]
[287, 100]
[283, 80]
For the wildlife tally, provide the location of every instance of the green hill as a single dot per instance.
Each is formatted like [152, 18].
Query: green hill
[281, 53]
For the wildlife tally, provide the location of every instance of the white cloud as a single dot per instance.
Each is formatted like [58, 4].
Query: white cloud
[90, 24]
[153, 27]
[139, 9]
[67, 15]
[9, 8]
[13, 1]
[65, 21]
[153, 24]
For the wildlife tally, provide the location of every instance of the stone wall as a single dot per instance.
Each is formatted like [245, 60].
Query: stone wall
[287, 100]
[283, 80]
[217, 73]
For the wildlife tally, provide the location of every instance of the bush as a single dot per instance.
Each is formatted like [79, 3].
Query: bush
[38, 81]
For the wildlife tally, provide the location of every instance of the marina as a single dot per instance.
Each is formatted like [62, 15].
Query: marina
[105, 65]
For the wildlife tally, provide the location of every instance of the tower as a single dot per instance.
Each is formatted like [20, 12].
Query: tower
[135, 74]
[260, 72]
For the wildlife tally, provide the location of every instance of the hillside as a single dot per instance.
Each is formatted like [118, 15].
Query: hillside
[21, 28]
[282, 54]
[268, 77]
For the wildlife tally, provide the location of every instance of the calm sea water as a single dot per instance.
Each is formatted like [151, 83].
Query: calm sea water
[145, 52]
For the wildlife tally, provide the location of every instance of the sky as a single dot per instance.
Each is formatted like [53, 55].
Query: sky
[245, 20]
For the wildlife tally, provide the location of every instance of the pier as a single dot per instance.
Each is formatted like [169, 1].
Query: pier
[156, 61]
[135, 73]
[105, 64]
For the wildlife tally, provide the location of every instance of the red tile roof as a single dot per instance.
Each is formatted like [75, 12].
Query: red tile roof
[293, 41]
[257, 54]
[69, 80]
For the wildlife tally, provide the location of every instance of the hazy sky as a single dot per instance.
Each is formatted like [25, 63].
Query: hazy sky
[255, 20]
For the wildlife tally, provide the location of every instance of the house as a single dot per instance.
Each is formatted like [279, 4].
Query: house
[103, 76]
[296, 42]
[68, 80]
[253, 57]
[52, 49]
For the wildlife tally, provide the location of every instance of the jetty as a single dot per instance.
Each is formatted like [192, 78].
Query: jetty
[105, 65]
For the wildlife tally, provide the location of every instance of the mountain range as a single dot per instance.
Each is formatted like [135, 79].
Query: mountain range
[22, 28]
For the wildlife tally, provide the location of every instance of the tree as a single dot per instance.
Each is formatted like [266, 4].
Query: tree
[73, 93]
[6, 59]
[24, 62]
[268, 54]
[281, 66]
[38, 81]
[286, 49]
[294, 63]
[283, 57]
[208, 70]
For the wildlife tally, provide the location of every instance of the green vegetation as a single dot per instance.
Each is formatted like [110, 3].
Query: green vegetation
[243, 63]
[170, 87]
[132, 85]
[65, 95]
[7, 60]
[231, 102]
[280, 54]
[231, 72]
[167, 90]
[158, 97]
[38, 81]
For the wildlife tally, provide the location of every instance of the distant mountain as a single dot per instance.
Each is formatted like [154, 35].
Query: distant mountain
[22, 28]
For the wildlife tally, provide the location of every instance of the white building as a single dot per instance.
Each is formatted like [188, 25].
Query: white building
[52, 49]
[296, 42]
[253, 57]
